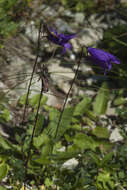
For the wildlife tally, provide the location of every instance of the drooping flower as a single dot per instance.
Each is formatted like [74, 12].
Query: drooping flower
[102, 58]
[60, 39]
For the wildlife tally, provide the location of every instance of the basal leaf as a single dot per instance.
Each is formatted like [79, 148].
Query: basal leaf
[101, 100]
[95, 158]
[5, 115]
[48, 182]
[107, 158]
[3, 170]
[33, 101]
[85, 142]
[46, 150]
[82, 106]
[71, 152]
[105, 146]
[63, 125]
[2, 188]
[41, 140]
[43, 160]
[4, 143]
[22, 100]
[101, 132]
[120, 101]
[106, 180]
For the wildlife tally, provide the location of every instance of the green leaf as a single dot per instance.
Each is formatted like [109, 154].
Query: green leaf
[46, 150]
[105, 180]
[119, 41]
[91, 115]
[120, 101]
[76, 127]
[5, 115]
[48, 182]
[43, 160]
[64, 123]
[34, 100]
[2, 188]
[39, 124]
[82, 106]
[4, 143]
[101, 100]
[121, 175]
[29, 129]
[105, 146]
[22, 100]
[3, 170]
[95, 158]
[85, 142]
[107, 158]
[71, 152]
[101, 132]
[41, 140]
[101, 163]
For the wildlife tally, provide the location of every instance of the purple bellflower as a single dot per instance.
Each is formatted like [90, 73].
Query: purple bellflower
[60, 39]
[102, 58]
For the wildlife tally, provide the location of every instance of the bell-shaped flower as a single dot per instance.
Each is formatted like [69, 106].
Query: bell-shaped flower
[102, 58]
[60, 39]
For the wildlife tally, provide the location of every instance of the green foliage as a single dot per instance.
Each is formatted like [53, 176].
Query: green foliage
[101, 101]
[3, 170]
[87, 146]
[84, 142]
[105, 181]
[101, 132]
[81, 136]
[33, 101]
[9, 15]
[87, 6]
[80, 5]
[6, 145]
[42, 139]
[6, 24]
[5, 114]
[2, 188]
[83, 106]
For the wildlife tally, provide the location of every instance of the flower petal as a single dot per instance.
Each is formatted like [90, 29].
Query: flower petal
[109, 65]
[60, 39]
[98, 54]
[102, 58]
[66, 46]
[64, 50]
[66, 37]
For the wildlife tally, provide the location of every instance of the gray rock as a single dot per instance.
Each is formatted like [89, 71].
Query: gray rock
[70, 164]
[31, 31]
[68, 13]
[115, 136]
[63, 26]
[110, 110]
[79, 18]
[61, 76]
[49, 11]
